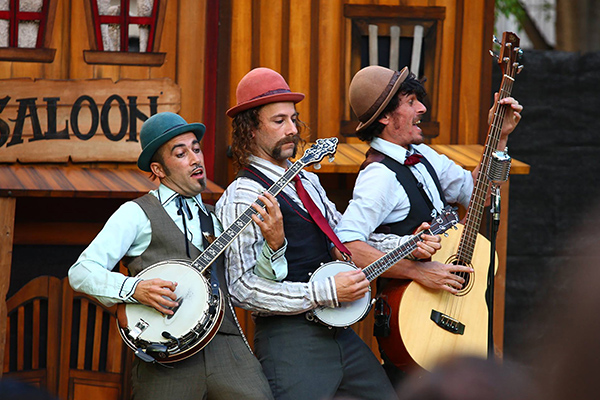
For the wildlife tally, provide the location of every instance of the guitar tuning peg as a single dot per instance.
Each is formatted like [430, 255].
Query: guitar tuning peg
[494, 55]
[331, 158]
[317, 166]
[445, 234]
[495, 40]
[519, 69]
[455, 227]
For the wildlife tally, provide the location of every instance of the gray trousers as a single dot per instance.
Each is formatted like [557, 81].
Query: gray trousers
[305, 360]
[223, 370]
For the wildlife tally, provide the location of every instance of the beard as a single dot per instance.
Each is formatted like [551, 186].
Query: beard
[277, 149]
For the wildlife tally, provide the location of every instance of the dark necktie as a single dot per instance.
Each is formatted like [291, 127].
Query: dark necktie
[317, 216]
[413, 159]
[183, 209]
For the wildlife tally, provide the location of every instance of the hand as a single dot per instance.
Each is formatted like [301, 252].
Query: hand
[436, 275]
[270, 221]
[156, 293]
[351, 285]
[512, 116]
[430, 244]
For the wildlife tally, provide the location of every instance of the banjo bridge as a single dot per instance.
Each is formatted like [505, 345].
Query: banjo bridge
[447, 322]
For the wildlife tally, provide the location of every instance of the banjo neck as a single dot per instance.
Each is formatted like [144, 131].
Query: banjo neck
[316, 153]
[445, 220]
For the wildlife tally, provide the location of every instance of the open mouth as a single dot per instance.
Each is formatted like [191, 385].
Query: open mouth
[198, 172]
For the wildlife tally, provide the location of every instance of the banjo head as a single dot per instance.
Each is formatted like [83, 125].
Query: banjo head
[192, 291]
[347, 313]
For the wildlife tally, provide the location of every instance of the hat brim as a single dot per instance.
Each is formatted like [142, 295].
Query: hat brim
[145, 157]
[261, 101]
[393, 91]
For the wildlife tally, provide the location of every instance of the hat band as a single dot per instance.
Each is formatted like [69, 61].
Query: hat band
[271, 92]
[364, 117]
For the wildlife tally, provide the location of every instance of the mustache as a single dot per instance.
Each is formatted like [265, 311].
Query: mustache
[290, 139]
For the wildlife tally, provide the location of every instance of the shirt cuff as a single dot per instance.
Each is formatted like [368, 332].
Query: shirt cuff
[324, 292]
[128, 289]
[272, 264]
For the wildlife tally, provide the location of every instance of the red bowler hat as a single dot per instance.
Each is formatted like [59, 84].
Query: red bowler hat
[259, 87]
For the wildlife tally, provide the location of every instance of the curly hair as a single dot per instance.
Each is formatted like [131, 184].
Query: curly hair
[244, 124]
[411, 85]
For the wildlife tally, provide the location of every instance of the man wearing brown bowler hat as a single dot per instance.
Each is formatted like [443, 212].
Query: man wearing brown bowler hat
[166, 224]
[403, 182]
[302, 359]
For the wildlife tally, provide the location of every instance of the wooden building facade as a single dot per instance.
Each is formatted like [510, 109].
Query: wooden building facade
[61, 181]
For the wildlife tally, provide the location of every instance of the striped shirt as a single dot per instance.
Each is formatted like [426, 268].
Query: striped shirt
[265, 296]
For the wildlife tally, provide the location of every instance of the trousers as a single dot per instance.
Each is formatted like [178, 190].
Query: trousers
[224, 370]
[306, 360]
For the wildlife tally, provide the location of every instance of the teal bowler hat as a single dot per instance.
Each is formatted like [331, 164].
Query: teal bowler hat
[158, 130]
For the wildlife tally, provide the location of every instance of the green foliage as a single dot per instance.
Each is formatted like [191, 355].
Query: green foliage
[510, 8]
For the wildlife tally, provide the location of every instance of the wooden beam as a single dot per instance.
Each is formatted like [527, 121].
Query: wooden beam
[7, 223]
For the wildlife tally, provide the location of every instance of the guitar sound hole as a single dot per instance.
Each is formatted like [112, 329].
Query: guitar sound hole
[465, 275]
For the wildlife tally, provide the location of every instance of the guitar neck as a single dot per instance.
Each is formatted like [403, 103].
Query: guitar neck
[216, 248]
[482, 183]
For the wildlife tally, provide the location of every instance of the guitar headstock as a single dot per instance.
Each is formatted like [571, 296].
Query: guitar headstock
[510, 54]
[444, 221]
[319, 150]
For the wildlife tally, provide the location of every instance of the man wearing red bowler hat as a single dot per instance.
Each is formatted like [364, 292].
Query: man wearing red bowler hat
[302, 359]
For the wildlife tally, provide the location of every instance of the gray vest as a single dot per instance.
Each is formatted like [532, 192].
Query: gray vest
[167, 244]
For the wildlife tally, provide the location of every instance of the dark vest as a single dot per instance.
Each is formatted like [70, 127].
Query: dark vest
[308, 246]
[420, 204]
[167, 244]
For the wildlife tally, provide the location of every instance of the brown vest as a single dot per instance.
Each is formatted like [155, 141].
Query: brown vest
[167, 244]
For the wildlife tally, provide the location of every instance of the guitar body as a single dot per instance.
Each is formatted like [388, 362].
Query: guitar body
[347, 313]
[415, 338]
[195, 322]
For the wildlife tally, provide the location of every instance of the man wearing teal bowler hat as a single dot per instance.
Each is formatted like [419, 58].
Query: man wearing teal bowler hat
[170, 223]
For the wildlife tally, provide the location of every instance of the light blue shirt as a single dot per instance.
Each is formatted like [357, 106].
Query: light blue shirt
[378, 198]
[128, 232]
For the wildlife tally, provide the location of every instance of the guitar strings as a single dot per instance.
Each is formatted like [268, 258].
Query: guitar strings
[454, 304]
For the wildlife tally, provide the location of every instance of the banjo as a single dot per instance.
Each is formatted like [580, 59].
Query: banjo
[200, 311]
[350, 312]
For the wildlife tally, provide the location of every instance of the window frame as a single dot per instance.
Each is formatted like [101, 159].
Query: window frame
[359, 16]
[41, 52]
[97, 54]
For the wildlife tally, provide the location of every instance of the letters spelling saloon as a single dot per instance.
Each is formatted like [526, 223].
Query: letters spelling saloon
[28, 109]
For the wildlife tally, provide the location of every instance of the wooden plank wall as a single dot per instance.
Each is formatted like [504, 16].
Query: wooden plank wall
[306, 41]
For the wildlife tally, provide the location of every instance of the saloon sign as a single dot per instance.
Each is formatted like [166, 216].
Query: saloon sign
[86, 121]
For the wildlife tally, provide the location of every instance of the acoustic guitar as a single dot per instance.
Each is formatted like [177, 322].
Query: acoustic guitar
[428, 326]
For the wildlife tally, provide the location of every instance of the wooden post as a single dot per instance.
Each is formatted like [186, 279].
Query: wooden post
[7, 225]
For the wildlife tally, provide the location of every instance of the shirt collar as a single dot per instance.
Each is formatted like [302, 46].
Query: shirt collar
[392, 150]
[167, 195]
[261, 162]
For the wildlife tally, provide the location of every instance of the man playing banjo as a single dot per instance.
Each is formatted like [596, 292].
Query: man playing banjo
[171, 222]
[302, 359]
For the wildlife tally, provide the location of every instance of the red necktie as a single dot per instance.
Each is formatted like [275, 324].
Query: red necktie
[413, 159]
[317, 216]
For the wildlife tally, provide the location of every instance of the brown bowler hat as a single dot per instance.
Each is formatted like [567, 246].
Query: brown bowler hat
[371, 90]
[259, 87]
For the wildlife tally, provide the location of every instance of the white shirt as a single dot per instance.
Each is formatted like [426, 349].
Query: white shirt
[378, 198]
